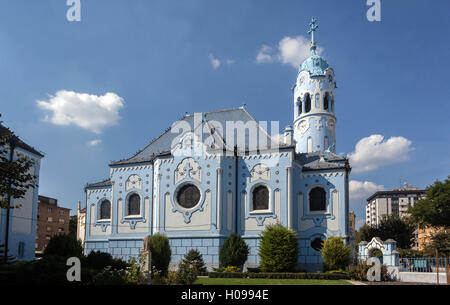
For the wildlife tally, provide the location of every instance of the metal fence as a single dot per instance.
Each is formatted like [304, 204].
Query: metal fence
[423, 264]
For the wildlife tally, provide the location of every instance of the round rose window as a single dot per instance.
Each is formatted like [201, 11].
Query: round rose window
[188, 196]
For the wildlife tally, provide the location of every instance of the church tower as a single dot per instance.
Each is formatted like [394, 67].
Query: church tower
[314, 120]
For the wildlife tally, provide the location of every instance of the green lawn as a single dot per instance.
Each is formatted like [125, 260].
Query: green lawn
[239, 281]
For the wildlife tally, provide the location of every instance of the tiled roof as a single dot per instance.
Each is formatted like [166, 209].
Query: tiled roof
[18, 142]
[162, 144]
[322, 161]
[106, 182]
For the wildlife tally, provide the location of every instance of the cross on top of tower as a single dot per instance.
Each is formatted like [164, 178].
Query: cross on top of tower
[312, 28]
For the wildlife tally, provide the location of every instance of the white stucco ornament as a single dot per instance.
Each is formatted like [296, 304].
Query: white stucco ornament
[133, 182]
[260, 171]
[188, 168]
[303, 126]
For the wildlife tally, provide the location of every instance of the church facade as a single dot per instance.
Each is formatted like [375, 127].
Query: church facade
[220, 172]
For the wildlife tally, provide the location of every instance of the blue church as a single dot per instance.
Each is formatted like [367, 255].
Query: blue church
[215, 173]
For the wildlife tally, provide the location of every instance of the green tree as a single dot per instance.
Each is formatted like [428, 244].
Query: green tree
[73, 225]
[234, 251]
[195, 258]
[15, 173]
[160, 253]
[434, 209]
[335, 254]
[389, 227]
[63, 245]
[278, 249]
[397, 228]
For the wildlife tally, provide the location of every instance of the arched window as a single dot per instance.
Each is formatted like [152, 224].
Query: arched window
[317, 199]
[307, 103]
[325, 143]
[260, 198]
[134, 205]
[326, 98]
[105, 209]
[188, 196]
[317, 101]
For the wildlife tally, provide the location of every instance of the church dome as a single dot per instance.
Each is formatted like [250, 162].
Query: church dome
[315, 65]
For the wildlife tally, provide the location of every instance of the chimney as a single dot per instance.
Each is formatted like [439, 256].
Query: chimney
[288, 135]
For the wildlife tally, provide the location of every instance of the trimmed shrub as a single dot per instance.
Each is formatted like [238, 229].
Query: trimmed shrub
[187, 273]
[335, 255]
[278, 249]
[359, 272]
[316, 276]
[99, 260]
[63, 245]
[195, 258]
[160, 252]
[234, 251]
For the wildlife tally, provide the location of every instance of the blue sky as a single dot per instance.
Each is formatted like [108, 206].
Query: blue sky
[157, 57]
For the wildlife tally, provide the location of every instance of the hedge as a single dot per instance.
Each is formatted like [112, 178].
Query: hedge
[227, 275]
[266, 275]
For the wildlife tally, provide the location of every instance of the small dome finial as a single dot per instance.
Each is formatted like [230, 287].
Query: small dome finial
[312, 28]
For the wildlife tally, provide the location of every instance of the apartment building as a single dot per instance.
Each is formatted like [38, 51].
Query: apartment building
[51, 220]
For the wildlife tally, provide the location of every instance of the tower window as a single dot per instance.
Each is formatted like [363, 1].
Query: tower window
[299, 108]
[134, 205]
[105, 209]
[307, 103]
[260, 198]
[317, 199]
[325, 101]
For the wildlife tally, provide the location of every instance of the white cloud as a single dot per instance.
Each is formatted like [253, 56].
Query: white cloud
[360, 191]
[88, 111]
[264, 55]
[290, 50]
[94, 142]
[373, 152]
[215, 63]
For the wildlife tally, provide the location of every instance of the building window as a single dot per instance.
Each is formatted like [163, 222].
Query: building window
[61, 212]
[325, 101]
[105, 209]
[307, 103]
[61, 220]
[317, 244]
[299, 108]
[260, 198]
[49, 229]
[325, 142]
[317, 199]
[309, 144]
[134, 205]
[49, 210]
[21, 250]
[49, 219]
[188, 196]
